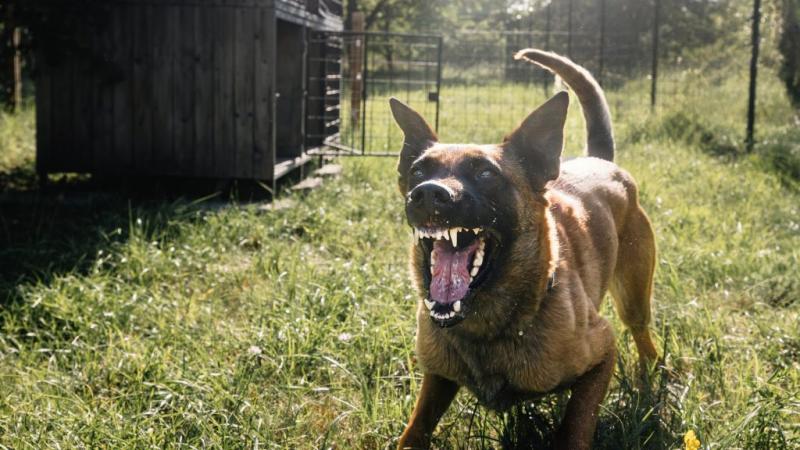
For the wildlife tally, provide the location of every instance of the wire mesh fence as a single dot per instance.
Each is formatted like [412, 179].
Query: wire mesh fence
[468, 84]
[372, 68]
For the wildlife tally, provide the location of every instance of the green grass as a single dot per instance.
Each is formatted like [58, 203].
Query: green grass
[17, 148]
[179, 324]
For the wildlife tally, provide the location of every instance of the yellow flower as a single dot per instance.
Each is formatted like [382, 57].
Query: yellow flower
[691, 441]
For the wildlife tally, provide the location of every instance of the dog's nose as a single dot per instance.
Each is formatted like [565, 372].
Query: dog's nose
[430, 196]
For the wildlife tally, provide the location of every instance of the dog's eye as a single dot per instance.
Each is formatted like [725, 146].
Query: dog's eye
[486, 173]
[417, 173]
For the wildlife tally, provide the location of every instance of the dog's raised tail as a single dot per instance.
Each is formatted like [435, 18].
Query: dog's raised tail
[600, 136]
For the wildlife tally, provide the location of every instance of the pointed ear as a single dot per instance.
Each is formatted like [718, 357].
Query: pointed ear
[418, 137]
[539, 139]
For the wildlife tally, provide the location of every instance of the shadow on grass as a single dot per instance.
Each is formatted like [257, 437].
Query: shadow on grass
[60, 228]
[632, 417]
[637, 414]
[778, 153]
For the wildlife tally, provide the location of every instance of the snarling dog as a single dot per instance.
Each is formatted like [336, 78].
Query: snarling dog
[513, 254]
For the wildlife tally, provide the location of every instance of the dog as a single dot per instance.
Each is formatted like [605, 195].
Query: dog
[513, 254]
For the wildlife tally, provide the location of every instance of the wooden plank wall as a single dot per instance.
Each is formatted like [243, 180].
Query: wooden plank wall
[172, 88]
[289, 85]
[264, 126]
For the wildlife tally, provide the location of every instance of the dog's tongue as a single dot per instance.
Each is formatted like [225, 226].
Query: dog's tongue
[450, 280]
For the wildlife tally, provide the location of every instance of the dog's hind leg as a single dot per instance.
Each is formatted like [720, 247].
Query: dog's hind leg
[632, 284]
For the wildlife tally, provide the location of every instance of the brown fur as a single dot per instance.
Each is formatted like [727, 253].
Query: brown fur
[582, 223]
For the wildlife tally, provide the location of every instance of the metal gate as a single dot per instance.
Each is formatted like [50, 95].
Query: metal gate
[351, 76]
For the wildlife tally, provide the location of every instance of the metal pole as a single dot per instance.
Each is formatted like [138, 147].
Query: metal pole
[547, 26]
[355, 60]
[528, 67]
[602, 40]
[364, 96]
[654, 70]
[547, 45]
[569, 28]
[530, 27]
[751, 101]
[438, 80]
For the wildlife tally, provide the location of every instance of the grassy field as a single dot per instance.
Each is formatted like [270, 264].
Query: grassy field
[180, 323]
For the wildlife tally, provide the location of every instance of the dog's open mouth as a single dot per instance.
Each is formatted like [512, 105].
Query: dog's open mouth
[458, 261]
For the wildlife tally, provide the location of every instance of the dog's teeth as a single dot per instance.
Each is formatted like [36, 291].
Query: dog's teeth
[478, 259]
[445, 233]
[474, 273]
[476, 230]
[429, 304]
[454, 236]
[457, 306]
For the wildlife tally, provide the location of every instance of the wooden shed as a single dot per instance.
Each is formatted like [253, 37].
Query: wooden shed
[191, 88]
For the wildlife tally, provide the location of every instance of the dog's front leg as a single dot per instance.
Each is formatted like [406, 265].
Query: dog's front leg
[577, 428]
[434, 398]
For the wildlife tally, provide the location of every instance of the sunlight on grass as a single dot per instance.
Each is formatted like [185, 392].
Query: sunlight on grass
[175, 325]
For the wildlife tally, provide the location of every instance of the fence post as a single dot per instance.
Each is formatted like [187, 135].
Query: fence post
[547, 45]
[751, 101]
[364, 99]
[654, 68]
[12, 36]
[439, 45]
[602, 41]
[16, 39]
[569, 28]
[356, 54]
